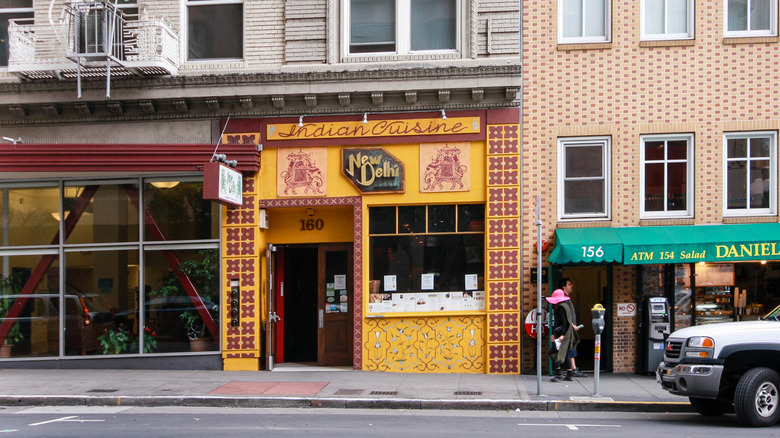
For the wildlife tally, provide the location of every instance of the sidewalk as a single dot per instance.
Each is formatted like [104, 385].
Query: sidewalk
[299, 386]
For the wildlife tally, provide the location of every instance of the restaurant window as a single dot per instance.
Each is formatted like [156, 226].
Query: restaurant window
[401, 26]
[750, 18]
[584, 21]
[427, 258]
[215, 29]
[667, 176]
[583, 189]
[10, 10]
[73, 255]
[751, 173]
[667, 19]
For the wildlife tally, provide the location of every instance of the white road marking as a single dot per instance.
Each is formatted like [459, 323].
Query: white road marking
[568, 426]
[64, 419]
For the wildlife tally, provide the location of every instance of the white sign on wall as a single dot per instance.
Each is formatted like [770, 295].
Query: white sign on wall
[626, 309]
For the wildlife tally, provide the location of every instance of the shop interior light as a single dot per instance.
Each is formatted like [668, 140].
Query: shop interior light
[443, 115]
[165, 184]
[300, 121]
[365, 117]
[763, 262]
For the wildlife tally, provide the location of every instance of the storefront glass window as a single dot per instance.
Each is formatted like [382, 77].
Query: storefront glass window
[102, 213]
[435, 268]
[683, 297]
[28, 216]
[179, 312]
[29, 306]
[178, 212]
[95, 293]
[101, 302]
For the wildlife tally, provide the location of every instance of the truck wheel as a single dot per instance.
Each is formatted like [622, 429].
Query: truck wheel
[756, 397]
[709, 407]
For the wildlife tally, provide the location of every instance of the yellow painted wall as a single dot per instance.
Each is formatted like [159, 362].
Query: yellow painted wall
[284, 225]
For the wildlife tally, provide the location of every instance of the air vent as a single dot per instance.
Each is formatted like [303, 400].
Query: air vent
[468, 392]
[384, 392]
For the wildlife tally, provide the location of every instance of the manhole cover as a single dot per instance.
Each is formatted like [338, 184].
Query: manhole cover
[103, 390]
[384, 392]
[468, 392]
[349, 392]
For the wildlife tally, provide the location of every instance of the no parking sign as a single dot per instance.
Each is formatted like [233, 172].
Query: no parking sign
[530, 323]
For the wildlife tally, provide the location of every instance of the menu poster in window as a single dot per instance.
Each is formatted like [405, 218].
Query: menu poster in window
[445, 301]
[390, 283]
[426, 281]
[472, 282]
[456, 300]
[479, 300]
[468, 301]
[339, 281]
[715, 275]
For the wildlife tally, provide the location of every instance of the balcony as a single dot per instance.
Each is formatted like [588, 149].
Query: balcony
[141, 47]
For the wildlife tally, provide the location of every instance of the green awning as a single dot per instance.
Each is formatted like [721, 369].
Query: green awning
[586, 245]
[700, 243]
[661, 245]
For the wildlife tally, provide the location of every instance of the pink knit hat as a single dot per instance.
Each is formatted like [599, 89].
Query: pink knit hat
[557, 297]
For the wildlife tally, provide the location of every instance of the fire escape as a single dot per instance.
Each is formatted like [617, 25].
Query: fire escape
[92, 39]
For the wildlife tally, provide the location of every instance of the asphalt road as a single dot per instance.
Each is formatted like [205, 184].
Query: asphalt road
[291, 422]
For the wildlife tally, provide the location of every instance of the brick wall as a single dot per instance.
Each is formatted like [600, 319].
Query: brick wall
[627, 88]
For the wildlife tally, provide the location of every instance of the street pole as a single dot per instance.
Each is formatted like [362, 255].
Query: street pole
[539, 332]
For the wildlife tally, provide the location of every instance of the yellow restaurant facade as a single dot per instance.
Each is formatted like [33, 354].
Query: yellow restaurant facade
[387, 242]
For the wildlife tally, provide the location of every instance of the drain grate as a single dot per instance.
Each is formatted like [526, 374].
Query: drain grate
[384, 392]
[468, 393]
[103, 390]
[349, 392]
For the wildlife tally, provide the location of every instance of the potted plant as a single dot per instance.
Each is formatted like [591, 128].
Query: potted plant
[119, 340]
[203, 272]
[9, 287]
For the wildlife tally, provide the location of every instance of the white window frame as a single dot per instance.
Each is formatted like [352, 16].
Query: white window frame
[748, 211]
[772, 31]
[402, 31]
[3, 11]
[186, 25]
[606, 144]
[644, 36]
[689, 192]
[607, 37]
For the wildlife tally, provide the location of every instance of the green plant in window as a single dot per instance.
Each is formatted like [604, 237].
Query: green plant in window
[9, 290]
[203, 272]
[119, 340]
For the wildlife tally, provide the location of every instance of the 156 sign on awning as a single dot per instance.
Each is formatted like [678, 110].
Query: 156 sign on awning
[373, 170]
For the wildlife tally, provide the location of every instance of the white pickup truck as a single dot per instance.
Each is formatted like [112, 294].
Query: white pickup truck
[718, 366]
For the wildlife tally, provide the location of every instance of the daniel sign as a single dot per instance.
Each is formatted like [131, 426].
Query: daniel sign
[222, 184]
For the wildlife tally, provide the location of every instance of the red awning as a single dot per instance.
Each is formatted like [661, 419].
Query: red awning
[121, 157]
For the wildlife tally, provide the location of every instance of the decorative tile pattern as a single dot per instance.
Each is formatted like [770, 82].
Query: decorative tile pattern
[504, 229]
[504, 358]
[453, 344]
[504, 170]
[503, 296]
[503, 233]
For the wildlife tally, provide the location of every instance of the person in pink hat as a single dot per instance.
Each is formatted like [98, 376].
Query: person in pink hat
[564, 332]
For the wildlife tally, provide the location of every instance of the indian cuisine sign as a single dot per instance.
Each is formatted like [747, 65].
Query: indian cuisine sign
[373, 170]
[373, 128]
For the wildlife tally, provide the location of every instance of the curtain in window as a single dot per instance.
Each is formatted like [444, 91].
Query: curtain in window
[584, 18]
[372, 26]
[433, 25]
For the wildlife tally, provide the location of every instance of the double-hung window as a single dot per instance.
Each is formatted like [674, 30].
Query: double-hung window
[9, 10]
[751, 173]
[584, 21]
[749, 18]
[401, 26]
[667, 19]
[584, 182]
[215, 29]
[667, 176]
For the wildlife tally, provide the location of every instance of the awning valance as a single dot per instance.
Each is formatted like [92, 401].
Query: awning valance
[674, 244]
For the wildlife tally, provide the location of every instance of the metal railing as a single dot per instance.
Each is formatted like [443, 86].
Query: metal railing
[140, 46]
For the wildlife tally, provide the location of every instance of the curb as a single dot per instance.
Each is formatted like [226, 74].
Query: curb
[347, 403]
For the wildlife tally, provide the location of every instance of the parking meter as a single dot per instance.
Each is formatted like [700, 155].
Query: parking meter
[598, 318]
[598, 327]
